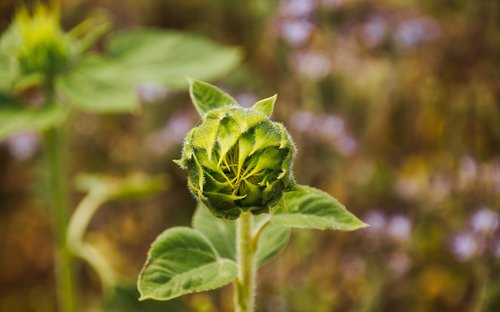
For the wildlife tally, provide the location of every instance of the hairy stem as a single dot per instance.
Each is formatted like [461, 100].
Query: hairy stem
[58, 196]
[244, 296]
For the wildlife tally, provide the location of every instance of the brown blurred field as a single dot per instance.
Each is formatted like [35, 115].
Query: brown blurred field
[395, 108]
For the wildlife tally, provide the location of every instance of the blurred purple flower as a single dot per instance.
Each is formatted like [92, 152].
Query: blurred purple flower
[496, 249]
[296, 32]
[377, 221]
[246, 99]
[413, 32]
[467, 173]
[329, 129]
[333, 125]
[484, 221]
[347, 145]
[297, 8]
[171, 134]
[151, 92]
[373, 32]
[23, 145]
[399, 228]
[302, 121]
[399, 263]
[464, 246]
[313, 65]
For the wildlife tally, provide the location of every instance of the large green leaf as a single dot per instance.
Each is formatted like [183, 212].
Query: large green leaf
[108, 84]
[182, 261]
[222, 234]
[206, 97]
[307, 207]
[98, 84]
[15, 117]
[168, 57]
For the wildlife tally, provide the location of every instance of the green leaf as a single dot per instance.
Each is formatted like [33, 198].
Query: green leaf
[266, 106]
[168, 57]
[15, 118]
[222, 234]
[182, 261]
[134, 185]
[273, 240]
[206, 97]
[108, 84]
[98, 84]
[307, 207]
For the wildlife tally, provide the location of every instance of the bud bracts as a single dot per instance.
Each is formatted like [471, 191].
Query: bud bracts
[238, 160]
[42, 46]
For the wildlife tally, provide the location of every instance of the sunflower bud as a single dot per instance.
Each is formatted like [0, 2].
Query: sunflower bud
[42, 46]
[238, 160]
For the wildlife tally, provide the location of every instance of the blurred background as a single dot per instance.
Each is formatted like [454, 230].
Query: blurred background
[395, 108]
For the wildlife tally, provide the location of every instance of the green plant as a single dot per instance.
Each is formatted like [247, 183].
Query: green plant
[39, 58]
[239, 166]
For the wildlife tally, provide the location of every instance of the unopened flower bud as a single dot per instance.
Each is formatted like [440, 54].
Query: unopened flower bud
[238, 160]
[41, 45]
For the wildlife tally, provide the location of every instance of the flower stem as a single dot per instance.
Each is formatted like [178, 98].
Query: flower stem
[244, 293]
[65, 284]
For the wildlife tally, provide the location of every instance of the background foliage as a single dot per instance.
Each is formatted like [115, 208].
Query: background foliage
[394, 106]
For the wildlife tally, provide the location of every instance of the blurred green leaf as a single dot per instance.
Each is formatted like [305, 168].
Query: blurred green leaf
[222, 234]
[135, 185]
[15, 117]
[168, 57]
[108, 84]
[182, 261]
[307, 207]
[98, 84]
[206, 97]
[27, 82]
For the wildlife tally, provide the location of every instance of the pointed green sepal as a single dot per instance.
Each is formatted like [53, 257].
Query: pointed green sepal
[207, 97]
[266, 106]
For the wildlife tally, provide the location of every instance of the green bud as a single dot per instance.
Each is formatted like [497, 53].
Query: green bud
[42, 46]
[238, 160]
